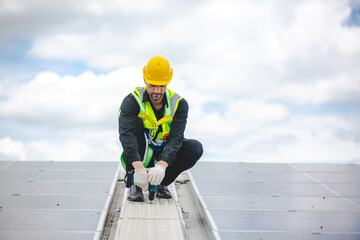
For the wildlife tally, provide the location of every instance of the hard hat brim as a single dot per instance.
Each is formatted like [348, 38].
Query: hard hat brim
[157, 81]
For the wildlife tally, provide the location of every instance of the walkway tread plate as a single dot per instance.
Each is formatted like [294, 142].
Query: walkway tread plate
[160, 219]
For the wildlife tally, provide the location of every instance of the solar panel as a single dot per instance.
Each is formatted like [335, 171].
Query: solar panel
[237, 176]
[4, 164]
[279, 201]
[55, 200]
[268, 189]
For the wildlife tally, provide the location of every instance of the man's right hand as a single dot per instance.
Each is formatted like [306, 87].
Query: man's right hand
[140, 175]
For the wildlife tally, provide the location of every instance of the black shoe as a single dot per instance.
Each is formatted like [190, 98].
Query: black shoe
[135, 194]
[163, 192]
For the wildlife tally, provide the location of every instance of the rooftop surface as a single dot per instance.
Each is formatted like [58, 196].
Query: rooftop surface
[55, 200]
[279, 201]
[214, 200]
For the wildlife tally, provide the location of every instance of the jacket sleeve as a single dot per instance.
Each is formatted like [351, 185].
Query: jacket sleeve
[176, 134]
[128, 129]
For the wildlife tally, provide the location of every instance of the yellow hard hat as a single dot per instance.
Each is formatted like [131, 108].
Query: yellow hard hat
[158, 71]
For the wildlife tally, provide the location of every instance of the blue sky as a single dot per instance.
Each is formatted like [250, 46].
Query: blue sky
[267, 81]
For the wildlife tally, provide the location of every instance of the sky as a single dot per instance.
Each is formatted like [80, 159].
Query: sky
[266, 81]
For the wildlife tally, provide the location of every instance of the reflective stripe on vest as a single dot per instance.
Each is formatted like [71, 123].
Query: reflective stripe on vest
[147, 114]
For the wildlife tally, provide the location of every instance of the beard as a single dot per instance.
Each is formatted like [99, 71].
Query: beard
[156, 96]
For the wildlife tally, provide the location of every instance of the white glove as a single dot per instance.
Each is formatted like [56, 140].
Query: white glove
[141, 178]
[156, 174]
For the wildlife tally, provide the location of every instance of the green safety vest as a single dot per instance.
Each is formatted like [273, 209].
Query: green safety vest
[150, 122]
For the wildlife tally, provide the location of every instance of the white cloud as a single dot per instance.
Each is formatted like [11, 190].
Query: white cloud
[341, 88]
[11, 7]
[238, 117]
[67, 101]
[125, 6]
[248, 111]
[81, 113]
[299, 139]
[12, 150]
[246, 57]
[62, 46]
[69, 150]
[290, 45]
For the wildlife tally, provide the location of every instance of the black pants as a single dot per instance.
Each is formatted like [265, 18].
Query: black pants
[189, 153]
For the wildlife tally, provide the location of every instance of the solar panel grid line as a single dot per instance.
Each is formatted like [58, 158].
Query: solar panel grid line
[269, 189]
[52, 194]
[286, 221]
[63, 181]
[242, 171]
[327, 168]
[58, 170]
[55, 210]
[255, 177]
[308, 175]
[53, 176]
[265, 231]
[6, 166]
[259, 182]
[206, 210]
[292, 232]
[275, 231]
[48, 231]
[54, 187]
[283, 210]
[51, 235]
[63, 165]
[241, 167]
[337, 232]
[260, 195]
[49, 220]
[285, 236]
[313, 204]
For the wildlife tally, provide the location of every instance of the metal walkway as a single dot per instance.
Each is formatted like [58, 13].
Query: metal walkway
[159, 219]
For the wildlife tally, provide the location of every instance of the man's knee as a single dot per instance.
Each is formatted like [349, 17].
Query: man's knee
[193, 149]
[197, 149]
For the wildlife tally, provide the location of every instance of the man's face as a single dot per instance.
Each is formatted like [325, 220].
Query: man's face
[156, 92]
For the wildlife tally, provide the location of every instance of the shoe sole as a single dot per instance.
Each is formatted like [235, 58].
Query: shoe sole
[163, 197]
[135, 200]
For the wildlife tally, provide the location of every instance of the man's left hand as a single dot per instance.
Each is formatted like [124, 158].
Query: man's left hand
[156, 174]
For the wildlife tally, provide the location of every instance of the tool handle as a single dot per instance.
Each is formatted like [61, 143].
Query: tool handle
[151, 195]
[130, 178]
[152, 191]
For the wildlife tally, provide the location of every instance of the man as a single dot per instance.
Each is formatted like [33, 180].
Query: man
[152, 122]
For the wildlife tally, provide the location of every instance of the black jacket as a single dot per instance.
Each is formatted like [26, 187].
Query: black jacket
[129, 129]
